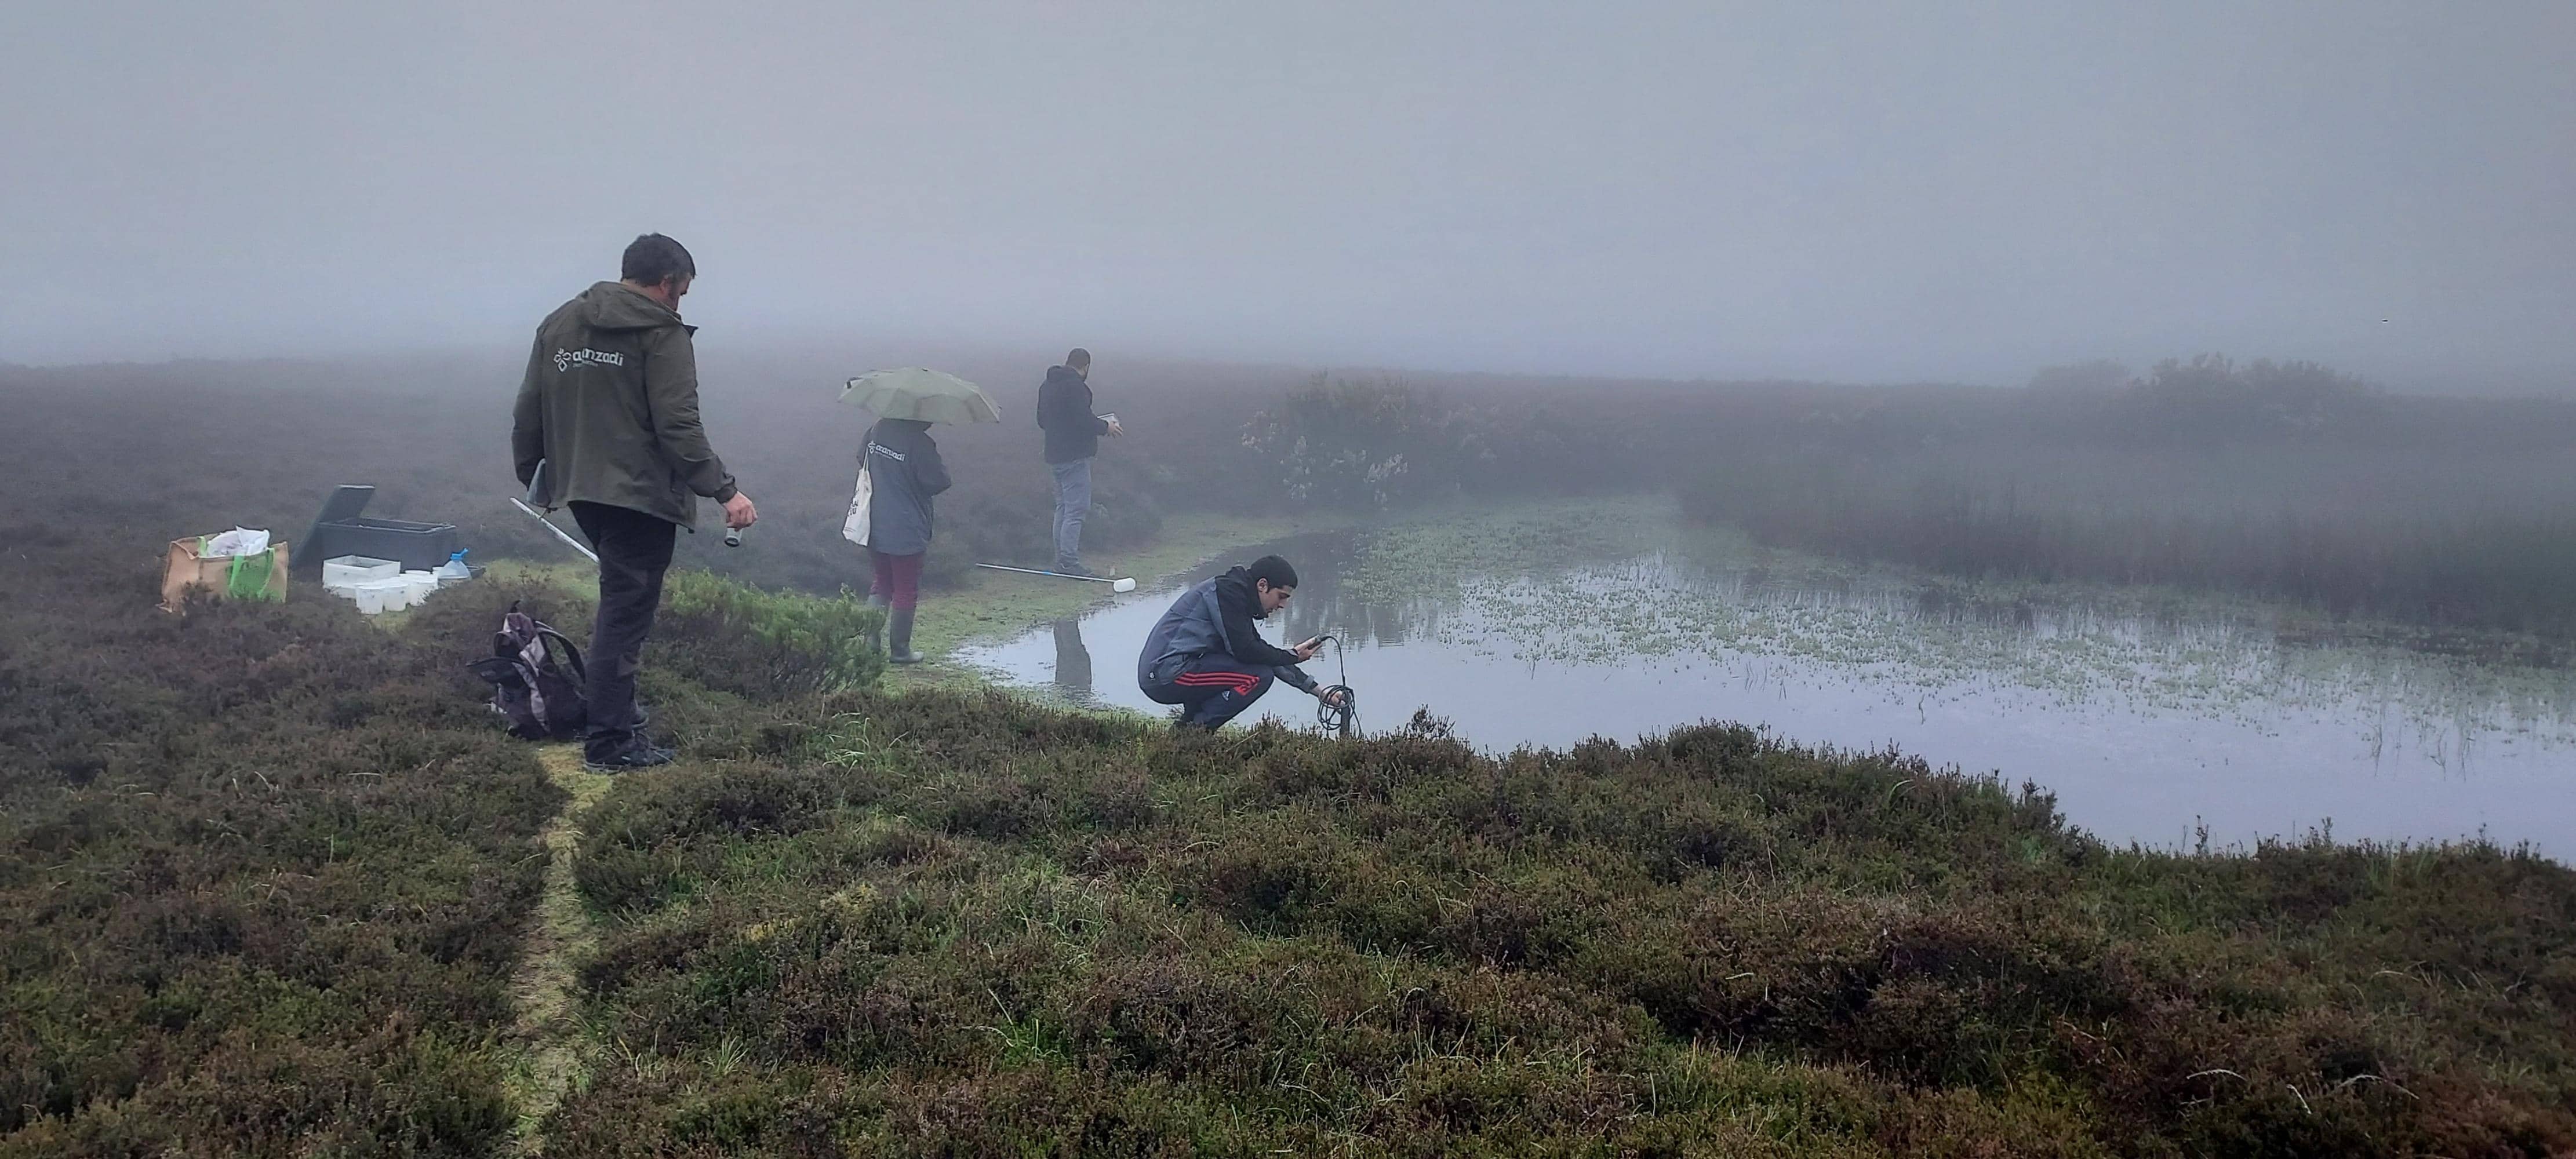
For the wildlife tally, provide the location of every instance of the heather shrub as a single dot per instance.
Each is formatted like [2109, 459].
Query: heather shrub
[264, 873]
[964, 922]
[270, 875]
[731, 637]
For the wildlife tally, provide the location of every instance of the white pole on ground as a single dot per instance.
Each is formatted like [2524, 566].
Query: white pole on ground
[1121, 584]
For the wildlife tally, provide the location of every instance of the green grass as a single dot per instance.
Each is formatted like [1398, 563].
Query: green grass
[274, 883]
[551, 1047]
[963, 924]
[265, 872]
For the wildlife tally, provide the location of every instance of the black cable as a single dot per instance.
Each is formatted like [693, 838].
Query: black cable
[1337, 718]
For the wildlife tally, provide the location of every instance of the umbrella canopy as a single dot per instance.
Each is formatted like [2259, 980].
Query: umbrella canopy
[929, 396]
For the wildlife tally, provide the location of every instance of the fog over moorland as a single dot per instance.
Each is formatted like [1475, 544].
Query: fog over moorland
[1839, 192]
[1871, 579]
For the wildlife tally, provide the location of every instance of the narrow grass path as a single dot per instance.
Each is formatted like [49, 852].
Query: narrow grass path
[547, 1036]
[546, 1047]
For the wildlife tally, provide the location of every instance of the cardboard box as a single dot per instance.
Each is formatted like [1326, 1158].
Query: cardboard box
[248, 577]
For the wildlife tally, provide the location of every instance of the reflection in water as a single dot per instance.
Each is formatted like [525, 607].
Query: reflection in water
[1072, 662]
[2140, 718]
[1325, 605]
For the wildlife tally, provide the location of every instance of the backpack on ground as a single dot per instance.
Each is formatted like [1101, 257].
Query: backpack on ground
[537, 678]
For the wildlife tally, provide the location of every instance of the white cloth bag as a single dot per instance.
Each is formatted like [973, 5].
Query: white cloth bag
[855, 528]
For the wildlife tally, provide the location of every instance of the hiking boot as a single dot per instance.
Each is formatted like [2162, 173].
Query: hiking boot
[1076, 569]
[899, 638]
[636, 731]
[636, 756]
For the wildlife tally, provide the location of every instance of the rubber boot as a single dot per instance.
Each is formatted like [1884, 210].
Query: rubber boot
[899, 637]
[876, 635]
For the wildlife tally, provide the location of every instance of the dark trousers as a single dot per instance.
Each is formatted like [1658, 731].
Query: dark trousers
[897, 579]
[634, 553]
[1212, 690]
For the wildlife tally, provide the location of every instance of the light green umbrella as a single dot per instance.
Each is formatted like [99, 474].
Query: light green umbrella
[930, 396]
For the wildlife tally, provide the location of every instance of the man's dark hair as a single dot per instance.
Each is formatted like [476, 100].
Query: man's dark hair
[1080, 359]
[1275, 570]
[654, 259]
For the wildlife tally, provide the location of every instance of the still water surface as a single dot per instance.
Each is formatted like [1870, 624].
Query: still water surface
[2141, 721]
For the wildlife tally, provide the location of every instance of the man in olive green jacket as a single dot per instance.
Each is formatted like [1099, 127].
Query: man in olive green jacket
[610, 408]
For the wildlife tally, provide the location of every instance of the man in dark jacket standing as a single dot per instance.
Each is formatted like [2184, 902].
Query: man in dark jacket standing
[1072, 438]
[610, 408]
[1206, 656]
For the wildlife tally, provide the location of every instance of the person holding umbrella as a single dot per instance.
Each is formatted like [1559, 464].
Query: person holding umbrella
[900, 468]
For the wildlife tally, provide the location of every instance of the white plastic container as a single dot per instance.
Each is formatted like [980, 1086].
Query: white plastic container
[352, 570]
[385, 595]
[422, 583]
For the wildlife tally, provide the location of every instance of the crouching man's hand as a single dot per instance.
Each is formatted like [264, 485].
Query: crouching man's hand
[1331, 696]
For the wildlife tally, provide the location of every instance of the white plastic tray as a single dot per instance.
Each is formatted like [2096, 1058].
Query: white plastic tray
[349, 570]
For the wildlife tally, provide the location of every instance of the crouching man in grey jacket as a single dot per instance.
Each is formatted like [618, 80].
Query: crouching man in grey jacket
[1206, 656]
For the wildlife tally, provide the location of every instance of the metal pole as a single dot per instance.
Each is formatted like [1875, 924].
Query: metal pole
[1121, 584]
[540, 517]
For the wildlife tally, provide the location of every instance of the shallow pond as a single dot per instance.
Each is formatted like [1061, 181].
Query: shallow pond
[2144, 715]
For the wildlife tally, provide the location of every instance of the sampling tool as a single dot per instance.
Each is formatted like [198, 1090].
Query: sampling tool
[1120, 584]
[1337, 718]
[732, 537]
[560, 533]
[537, 493]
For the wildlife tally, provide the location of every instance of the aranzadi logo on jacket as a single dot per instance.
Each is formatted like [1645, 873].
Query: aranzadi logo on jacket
[567, 359]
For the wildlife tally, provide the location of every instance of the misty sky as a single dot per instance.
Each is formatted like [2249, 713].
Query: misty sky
[1957, 191]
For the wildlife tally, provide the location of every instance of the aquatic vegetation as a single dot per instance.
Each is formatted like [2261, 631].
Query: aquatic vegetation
[1437, 553]
[1519, 619]
[1617, 582]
